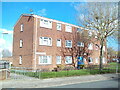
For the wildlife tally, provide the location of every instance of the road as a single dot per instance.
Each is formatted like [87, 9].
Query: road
[113, 83]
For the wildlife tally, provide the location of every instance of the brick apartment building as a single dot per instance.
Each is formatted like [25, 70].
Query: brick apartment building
[41, 42]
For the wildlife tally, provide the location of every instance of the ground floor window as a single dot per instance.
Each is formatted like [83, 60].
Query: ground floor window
[58, 59]
[68, 59]
[90, 60]
[45, 59]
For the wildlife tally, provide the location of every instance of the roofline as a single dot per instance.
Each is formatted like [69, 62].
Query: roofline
[53, 20]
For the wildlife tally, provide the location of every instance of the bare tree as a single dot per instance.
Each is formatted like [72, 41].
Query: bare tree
[99, 16]
[77, 49]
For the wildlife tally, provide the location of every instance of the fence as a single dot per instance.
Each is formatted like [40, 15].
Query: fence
[28, 73]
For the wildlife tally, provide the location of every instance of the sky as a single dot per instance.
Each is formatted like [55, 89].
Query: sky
[11, 11]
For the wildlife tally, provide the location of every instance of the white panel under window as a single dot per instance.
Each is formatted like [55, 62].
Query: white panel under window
[58, 26]
[58, 42]
[21, 27]
[45, 59]
[80, 44]
[45, 41]
[68, 59]
[68, 28]
[45, 23]
[21, 43]
[58, 59]
[90, 46]
[95, 32]
[20, 59]
[68, 43]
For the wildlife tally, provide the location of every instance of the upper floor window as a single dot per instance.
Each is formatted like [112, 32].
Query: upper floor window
[68, 28]
[45, 59]
[21, 27]
[20, 59]
[68, 43]
[89, 33]
[45, 23]
[58, 26]
[96, 46]
[45, 41]
[79, 29]
[58, 42]
[90, 46]
[95, 33]
[21, 43]
[80, 44]
[58, 59]
[68, 59]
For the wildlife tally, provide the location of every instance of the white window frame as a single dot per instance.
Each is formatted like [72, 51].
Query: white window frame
[58, 59]
[103, 60]
[68, 28]
[20, 59]
[21, 43]
[104, 48]
[47, 39]
[91, 60]
[47, 58]
[90, 46]
[96, 59]
[67, 42]
[81, 44]
[45, 23]
[59, 26]
[21, 27]
[89, 33]
[69, 61]
[58, 42]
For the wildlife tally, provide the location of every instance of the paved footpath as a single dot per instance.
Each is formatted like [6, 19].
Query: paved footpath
[43, 83]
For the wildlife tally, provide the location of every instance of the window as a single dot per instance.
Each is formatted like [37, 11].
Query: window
[79, 29]
[21, 43]
[21, 27]
[20, 59]
[103, 60]
[96, 46]
[58, 26]
[68, 43]
[58, 42]
[90, 60]
[80, 44]
[45, 59]
[96, 59]
[89, 33]
[45, 41]
[68, 28]
[103, 48]
[68, 60]
[45, 23]
[90, 46]
[95, 33]
[58, 59]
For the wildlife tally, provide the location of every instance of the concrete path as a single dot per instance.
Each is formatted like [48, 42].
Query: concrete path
[43, 83]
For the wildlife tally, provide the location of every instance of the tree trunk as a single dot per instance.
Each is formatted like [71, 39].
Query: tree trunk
[101, 55]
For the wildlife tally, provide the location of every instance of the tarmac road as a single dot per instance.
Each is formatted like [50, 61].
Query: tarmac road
[113, 83]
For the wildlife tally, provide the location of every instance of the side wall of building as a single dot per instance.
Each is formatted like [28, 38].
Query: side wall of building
[26, 51]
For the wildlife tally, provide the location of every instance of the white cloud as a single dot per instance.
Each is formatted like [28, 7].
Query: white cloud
[42, 12]
[2, 42]
[6, 31]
